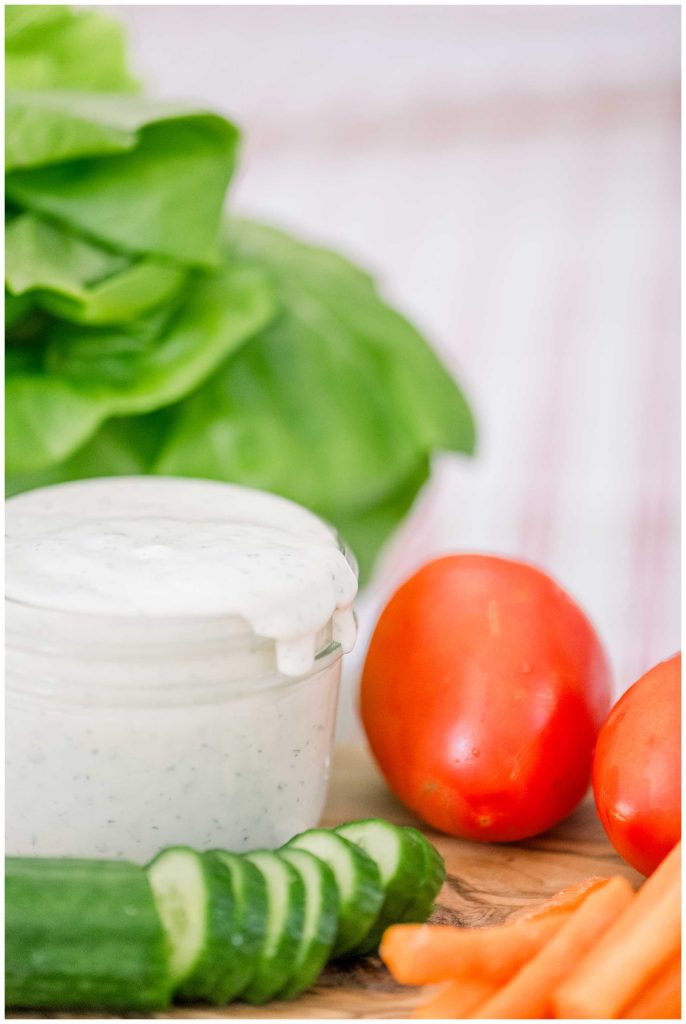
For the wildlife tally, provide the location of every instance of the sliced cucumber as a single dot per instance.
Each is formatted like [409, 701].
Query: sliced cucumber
[250, 897]
[194, 899]
[400, 862]
[285, 920]
[359, 884]
[321, 920]
[83, 934]
[431, 879]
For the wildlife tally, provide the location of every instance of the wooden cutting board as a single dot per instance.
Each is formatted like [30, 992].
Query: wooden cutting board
[486, 884]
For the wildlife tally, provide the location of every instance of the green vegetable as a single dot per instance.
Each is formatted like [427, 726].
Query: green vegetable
[318, 932]
[360, 890]
[336, 363]
[170, 159]
[252, 918]
[83, 935]
[83, 376]
[212, 926]
[51, 47]
[284, 925]
[262, 360]
[80, 281]
[431, 878]
[195, 900]
[400, 862]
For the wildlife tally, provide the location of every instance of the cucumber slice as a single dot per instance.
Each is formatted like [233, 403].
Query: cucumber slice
[321, 920]
[285, 919]
[432, 878]
[250, 898]
[194, 899]
[83, 934]
[400, 862]
[358, 880]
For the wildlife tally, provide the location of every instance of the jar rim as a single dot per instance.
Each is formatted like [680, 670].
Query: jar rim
[63, 625]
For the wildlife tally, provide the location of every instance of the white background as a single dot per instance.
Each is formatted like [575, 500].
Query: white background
[511, 174]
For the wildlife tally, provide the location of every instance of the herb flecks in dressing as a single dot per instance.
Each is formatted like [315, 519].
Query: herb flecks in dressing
[156, 546]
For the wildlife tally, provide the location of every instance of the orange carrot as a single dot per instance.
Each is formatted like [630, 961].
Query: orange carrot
[455, 1000]
[661, 1000]
[631, 952]
[567, 899]
[424, 954]
[527, 994]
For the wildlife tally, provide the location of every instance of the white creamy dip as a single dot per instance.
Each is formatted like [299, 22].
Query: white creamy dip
[157, 546]
[173, 660]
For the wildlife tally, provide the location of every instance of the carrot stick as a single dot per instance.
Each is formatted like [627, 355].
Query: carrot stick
[422, 954]
[631, 952]
[661, 1000]
[567, 899]
[455, 1000]
[419, 954]
[527, 994]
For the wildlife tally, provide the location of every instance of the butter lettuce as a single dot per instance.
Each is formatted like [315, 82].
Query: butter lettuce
[80, 281]
[332, 403]
[147, 335]
[53, 47]
[75, 378]
[170, 176]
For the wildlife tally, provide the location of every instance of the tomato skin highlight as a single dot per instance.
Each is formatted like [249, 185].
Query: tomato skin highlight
[637, 768]
[482, 694]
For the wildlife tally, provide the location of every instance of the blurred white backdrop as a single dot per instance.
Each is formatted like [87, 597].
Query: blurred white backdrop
[512, 176]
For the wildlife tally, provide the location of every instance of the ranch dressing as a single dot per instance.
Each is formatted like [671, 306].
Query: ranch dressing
[157, 546]
[173, 660]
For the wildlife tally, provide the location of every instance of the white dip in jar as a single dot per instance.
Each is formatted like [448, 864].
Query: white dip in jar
[173, 655]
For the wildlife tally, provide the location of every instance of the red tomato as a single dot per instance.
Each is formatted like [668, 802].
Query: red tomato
[482, 694]
[637, 768]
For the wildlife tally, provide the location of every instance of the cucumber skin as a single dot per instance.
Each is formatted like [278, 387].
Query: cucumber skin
[400, 893]
[272, 973]
[251, 923]
[352, 927]
[83, 934]
[433, 876]
[320, 949]
[207, 980]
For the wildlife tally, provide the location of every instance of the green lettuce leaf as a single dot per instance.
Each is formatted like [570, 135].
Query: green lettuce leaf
[16, 308]
[58, 394]
[137, 343]
[79, 281]
[121, 447]
[366, 531]
[154, 180]
[333, 404]
[53, 47]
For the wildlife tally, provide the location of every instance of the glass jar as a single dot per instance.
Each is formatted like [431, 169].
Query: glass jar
[125, 734]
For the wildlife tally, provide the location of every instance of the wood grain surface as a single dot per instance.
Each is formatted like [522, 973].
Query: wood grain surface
[486, 884]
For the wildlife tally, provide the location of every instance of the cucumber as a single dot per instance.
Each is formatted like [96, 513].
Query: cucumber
[321, 920]
[194, 899]
[83, 935]
[432, 878]
[400, 860]
[285, 920]
[250, 898]
[358, 880]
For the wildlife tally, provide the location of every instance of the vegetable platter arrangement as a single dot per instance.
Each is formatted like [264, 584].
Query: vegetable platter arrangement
[146, 333]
